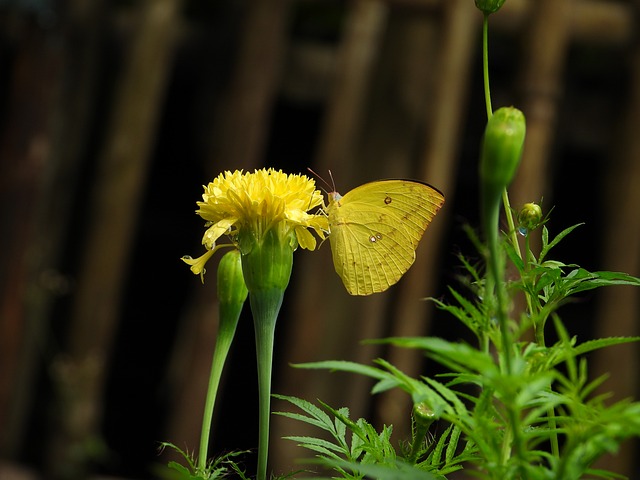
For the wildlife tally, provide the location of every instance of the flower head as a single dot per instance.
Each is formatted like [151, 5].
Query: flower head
[247, 206]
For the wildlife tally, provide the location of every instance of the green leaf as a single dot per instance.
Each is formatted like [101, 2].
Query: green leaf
[453, 444]
[317, 417]
[585, 280]
[598, 343]
[398, 471]
[386, 381]
[345, 366]
[182, 472]
[546, 246]
[514, 257]
[458, 356]
[318, 445]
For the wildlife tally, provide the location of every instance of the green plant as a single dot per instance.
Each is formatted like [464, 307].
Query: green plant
[539, 419]
[508, 407]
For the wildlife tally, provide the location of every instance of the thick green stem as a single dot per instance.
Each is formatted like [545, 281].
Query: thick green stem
[496, 277]
[423, 416]
[266, 264]
[265, 306]
[226, 333]
[232, 293]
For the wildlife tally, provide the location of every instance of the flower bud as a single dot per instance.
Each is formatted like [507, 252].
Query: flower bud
[489, 6]
[529, 217]
[232, 290]
[501, 149]
[423, 415]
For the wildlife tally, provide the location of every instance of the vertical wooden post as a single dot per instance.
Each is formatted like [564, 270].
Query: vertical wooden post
[24, 152]
[438, 166]
[546, 42]
[115, 205]
[242, 126]
[618, 308]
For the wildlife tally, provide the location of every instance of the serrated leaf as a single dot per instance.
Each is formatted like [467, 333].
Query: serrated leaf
[454, 437]
[384, 385]
[458, 356]
[182, 471]
[397, 471]
[585, 280]
[341, 428]
[323, 447]
[317, 416]
[306, 441]
[547, 246]
[596, 344]
[436, 456]
[344, 366]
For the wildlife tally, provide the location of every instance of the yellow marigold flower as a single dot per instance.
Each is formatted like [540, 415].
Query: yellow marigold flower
[246, 206]
[266, 216]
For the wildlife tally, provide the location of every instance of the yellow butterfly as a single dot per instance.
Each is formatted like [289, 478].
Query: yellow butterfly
[375, 229]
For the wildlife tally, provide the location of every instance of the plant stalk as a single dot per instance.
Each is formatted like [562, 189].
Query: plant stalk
[265, 306]
[225, 336]
[485, 64]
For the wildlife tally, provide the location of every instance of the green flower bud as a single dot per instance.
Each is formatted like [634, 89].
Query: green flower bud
[423, 415]
[232, 290]
[501, 149]
[529, 217]
[489, 6]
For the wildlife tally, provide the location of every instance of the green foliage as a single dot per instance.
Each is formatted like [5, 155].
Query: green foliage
[355, 449]
[509, 407]
[224, 466]
[529, 411]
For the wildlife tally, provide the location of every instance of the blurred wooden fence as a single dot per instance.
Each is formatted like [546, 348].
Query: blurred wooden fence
[112, 118]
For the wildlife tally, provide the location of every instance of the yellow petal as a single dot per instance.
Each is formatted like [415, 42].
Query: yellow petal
[216, 231]
[305, 239]
[197, 264]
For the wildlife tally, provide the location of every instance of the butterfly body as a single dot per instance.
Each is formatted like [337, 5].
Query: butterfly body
[375, 230]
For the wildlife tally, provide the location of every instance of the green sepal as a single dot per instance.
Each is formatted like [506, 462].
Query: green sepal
[266, 261]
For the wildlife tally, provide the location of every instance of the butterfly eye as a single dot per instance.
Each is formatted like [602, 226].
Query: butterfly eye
[375, 238]
[387, 200]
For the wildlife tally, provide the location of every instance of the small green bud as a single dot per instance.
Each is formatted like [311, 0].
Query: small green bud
[231, 287]
[489, 6]
[502, 149]
[423, 415]
[529, 217]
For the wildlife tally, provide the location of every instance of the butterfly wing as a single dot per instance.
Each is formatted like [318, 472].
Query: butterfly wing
[375, 230]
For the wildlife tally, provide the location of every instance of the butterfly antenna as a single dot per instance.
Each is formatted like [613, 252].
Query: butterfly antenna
[333, 182]
[322, 179]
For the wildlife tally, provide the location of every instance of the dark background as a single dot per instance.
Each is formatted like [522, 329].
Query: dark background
[114, 114]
